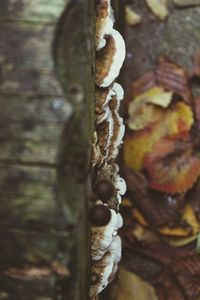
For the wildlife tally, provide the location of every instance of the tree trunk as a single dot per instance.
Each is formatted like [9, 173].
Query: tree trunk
[46, 115]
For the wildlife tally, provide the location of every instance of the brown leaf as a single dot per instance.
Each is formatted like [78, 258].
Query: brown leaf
[173, 77]
[157, 209]
[159, 8]
[162, 252]
[187, 272]
[176, 121]
[168, 288]
[147, 108]
[144, 83]
[156, 262]
[173, 166]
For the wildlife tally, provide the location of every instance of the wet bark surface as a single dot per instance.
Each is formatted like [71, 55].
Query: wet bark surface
[46, 119]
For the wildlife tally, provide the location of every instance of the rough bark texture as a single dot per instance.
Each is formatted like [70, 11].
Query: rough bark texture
[46, 119]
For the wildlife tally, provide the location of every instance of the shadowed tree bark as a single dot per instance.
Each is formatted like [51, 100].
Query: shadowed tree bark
[46, 116]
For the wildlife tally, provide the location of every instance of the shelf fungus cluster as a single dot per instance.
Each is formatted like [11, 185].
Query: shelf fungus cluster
[108, 187]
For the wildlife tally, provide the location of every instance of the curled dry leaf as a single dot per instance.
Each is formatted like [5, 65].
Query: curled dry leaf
[166, 230]
[157, 209]
[179, 242]
[173, 77]
[132, 18]
[176, 121]
[163, 213]
[157, 261]
[190, 218]
[145, 108]
[173, 166]
[159, 8]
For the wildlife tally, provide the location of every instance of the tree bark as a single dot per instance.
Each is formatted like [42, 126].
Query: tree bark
[46, 115]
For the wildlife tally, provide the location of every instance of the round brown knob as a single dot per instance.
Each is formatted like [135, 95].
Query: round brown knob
[105, 189]
[100, 215]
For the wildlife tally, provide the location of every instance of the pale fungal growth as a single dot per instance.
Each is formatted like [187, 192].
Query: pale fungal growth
[102, 236]
[103, 270]
[121, 185]
[104, 23]
[105, 134]
[107, 185]
[110, 59]
[119, 127]
[104, 116]
[107, 109]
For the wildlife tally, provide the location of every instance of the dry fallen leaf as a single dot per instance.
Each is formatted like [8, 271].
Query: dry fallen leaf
[176, 121]
[180, 241]
[165, 230]
[173, 77]
[132, 18]
[190, 217]
[159, 8]
[173, 166]
[157, 209]
[145, 108]
[187, 272]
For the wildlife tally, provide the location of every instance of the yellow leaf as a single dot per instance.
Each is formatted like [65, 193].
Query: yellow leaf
[139, 217]
[190, 217]
[131, 17]
[156, 95]
[165, 230]
[159, 8]
[142, 113]
[178, 231]
[126, 202]
[175, 121]
[179, 242]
